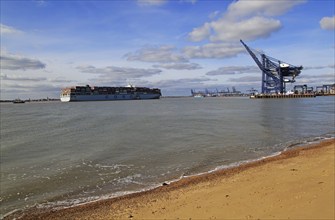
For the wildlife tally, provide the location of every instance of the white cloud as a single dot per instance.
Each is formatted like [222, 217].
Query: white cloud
[328, 23]
[166, 56]
[249, 29]
[319, 67]
[200, 33]
[29, 91]
[244, 19]
[319, 76]
[151, 2]
[60, 80]
[246, 79]
[232, 70]
[178, 66]
[161, 54]
[183, 83]
[41, 3]
[161, 2]
[111, 73]
[211, 50]
[4, 30]
[317, 80]
[21, 78]
[189, 1]
[243, 8]
[14, 62]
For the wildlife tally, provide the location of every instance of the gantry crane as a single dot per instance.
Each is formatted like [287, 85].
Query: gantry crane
[275, 73]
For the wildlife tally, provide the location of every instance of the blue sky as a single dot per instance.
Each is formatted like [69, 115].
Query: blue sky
[173, 45]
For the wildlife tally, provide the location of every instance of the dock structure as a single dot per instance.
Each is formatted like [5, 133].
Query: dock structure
[281, 96]
[276, 74]
[217, 93]
[325, 90]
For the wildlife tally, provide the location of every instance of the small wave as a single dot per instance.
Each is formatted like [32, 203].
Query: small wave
[231, 165]
[58, 205]
[9, 213]
[308, 141]
[282, 148]
[131, 179]
[114, 166]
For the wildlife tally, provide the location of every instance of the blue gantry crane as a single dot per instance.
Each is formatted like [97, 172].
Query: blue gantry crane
[275, 73]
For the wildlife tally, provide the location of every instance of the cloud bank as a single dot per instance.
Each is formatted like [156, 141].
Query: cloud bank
[12, 62]
[161, 54]
[21, 78]
[165, 56]
[183, 83]
[119, 74]
[211, 50]
[178, 66]
[245, 19]
[233, 70]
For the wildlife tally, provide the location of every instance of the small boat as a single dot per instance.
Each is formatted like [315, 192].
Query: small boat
[18, 101]
[198, 96]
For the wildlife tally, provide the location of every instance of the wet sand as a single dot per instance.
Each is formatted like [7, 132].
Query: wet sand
[297, 184]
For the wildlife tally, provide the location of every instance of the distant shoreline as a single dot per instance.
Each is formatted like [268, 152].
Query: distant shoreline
[58, 100]
[32, 100]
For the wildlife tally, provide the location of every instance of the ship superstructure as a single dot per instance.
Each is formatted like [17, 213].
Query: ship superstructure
[98, 93]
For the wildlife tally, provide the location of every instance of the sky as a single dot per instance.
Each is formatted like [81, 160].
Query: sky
[175, 45]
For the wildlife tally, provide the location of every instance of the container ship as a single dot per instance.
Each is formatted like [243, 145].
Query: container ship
[88, 93]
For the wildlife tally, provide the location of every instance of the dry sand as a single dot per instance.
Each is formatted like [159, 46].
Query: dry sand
[298, 184]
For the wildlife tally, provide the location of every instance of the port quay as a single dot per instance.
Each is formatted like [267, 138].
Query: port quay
[275, 75]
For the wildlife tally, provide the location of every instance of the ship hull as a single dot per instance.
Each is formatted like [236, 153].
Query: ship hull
[109, 97]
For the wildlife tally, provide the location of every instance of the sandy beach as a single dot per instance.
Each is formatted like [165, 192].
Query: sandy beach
[297, 184]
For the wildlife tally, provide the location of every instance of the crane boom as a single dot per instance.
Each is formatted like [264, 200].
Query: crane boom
[259, 64]
[275, 73]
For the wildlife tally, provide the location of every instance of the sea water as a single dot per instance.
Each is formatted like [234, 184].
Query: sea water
[61, 154]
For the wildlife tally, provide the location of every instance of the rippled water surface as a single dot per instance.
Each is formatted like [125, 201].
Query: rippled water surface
[64, 153]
